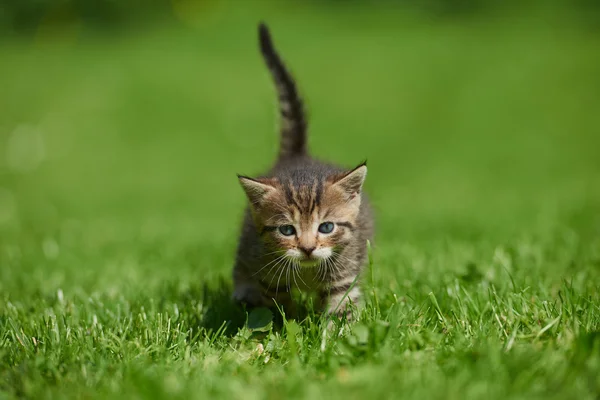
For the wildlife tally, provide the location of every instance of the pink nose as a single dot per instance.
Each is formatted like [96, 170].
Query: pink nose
[307, 250]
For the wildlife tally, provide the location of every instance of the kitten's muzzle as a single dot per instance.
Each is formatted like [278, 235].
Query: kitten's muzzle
[307, 251]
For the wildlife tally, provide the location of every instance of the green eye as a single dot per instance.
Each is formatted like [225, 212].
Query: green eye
[287, 230]
[326, 227]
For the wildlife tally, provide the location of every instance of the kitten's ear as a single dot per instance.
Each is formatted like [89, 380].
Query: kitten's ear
[351, 182]
[257, 189]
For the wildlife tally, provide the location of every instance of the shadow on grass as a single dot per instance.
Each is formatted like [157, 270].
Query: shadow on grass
[209, 307]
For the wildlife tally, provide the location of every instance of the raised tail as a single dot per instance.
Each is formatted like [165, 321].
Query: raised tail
[293, 119]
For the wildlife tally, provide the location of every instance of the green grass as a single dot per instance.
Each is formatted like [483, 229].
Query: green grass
[119, 208]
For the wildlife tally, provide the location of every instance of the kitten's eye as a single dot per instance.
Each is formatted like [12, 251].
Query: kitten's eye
[287, 230]
[326, 227]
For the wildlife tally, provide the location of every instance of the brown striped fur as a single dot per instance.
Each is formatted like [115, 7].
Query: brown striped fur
[298, 195]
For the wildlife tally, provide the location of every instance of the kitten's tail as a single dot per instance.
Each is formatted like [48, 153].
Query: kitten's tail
[293, 119]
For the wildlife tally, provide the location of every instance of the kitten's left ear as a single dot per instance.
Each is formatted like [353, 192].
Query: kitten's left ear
[352, 182]
[257, 189]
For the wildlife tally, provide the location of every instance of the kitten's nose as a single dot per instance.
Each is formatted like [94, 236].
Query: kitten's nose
[307, 250]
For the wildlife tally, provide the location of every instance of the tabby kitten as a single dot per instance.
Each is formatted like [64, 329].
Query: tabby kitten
[307, 223]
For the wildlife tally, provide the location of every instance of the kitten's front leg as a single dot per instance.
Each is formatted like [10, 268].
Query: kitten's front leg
[247, 290]
[281, 299]
[255, 293]
[254, 296]
[340, 296]
[248, 293]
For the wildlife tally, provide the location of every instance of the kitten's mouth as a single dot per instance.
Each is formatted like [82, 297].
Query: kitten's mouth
[308, 262]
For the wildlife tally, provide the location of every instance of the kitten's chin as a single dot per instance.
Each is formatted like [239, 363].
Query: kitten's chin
[309, 263]
[318, 256]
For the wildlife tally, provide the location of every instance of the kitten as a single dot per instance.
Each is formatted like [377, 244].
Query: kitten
[307, 223]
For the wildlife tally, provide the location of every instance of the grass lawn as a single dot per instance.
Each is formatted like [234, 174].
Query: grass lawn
[119, 208]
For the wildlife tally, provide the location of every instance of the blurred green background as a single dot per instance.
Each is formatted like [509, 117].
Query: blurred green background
[122, 126]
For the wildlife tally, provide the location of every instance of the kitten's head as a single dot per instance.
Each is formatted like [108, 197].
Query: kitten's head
[307, 220]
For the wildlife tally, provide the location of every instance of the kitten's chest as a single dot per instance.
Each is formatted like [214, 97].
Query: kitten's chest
[311, 279]
[306, 279]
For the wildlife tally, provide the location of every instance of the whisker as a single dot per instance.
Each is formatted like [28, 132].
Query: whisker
[278, 265]
[287, 278]
[293, 272]
[324, 270]
[272, 261]
[269, 263]
[315, 276]
[280, 274]
[297, 269]
[338, 267]
[273, 277]
[327, 269]
[274, 252]
[340, 255]
[294, 276]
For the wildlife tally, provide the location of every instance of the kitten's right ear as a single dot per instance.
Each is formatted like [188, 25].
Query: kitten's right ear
[351, 182]
[257, 189]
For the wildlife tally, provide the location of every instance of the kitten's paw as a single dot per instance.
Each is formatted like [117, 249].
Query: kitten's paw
[341, 322]
[248, 294]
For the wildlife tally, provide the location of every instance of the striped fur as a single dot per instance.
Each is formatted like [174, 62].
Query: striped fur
[284, 244]
[293, 120]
